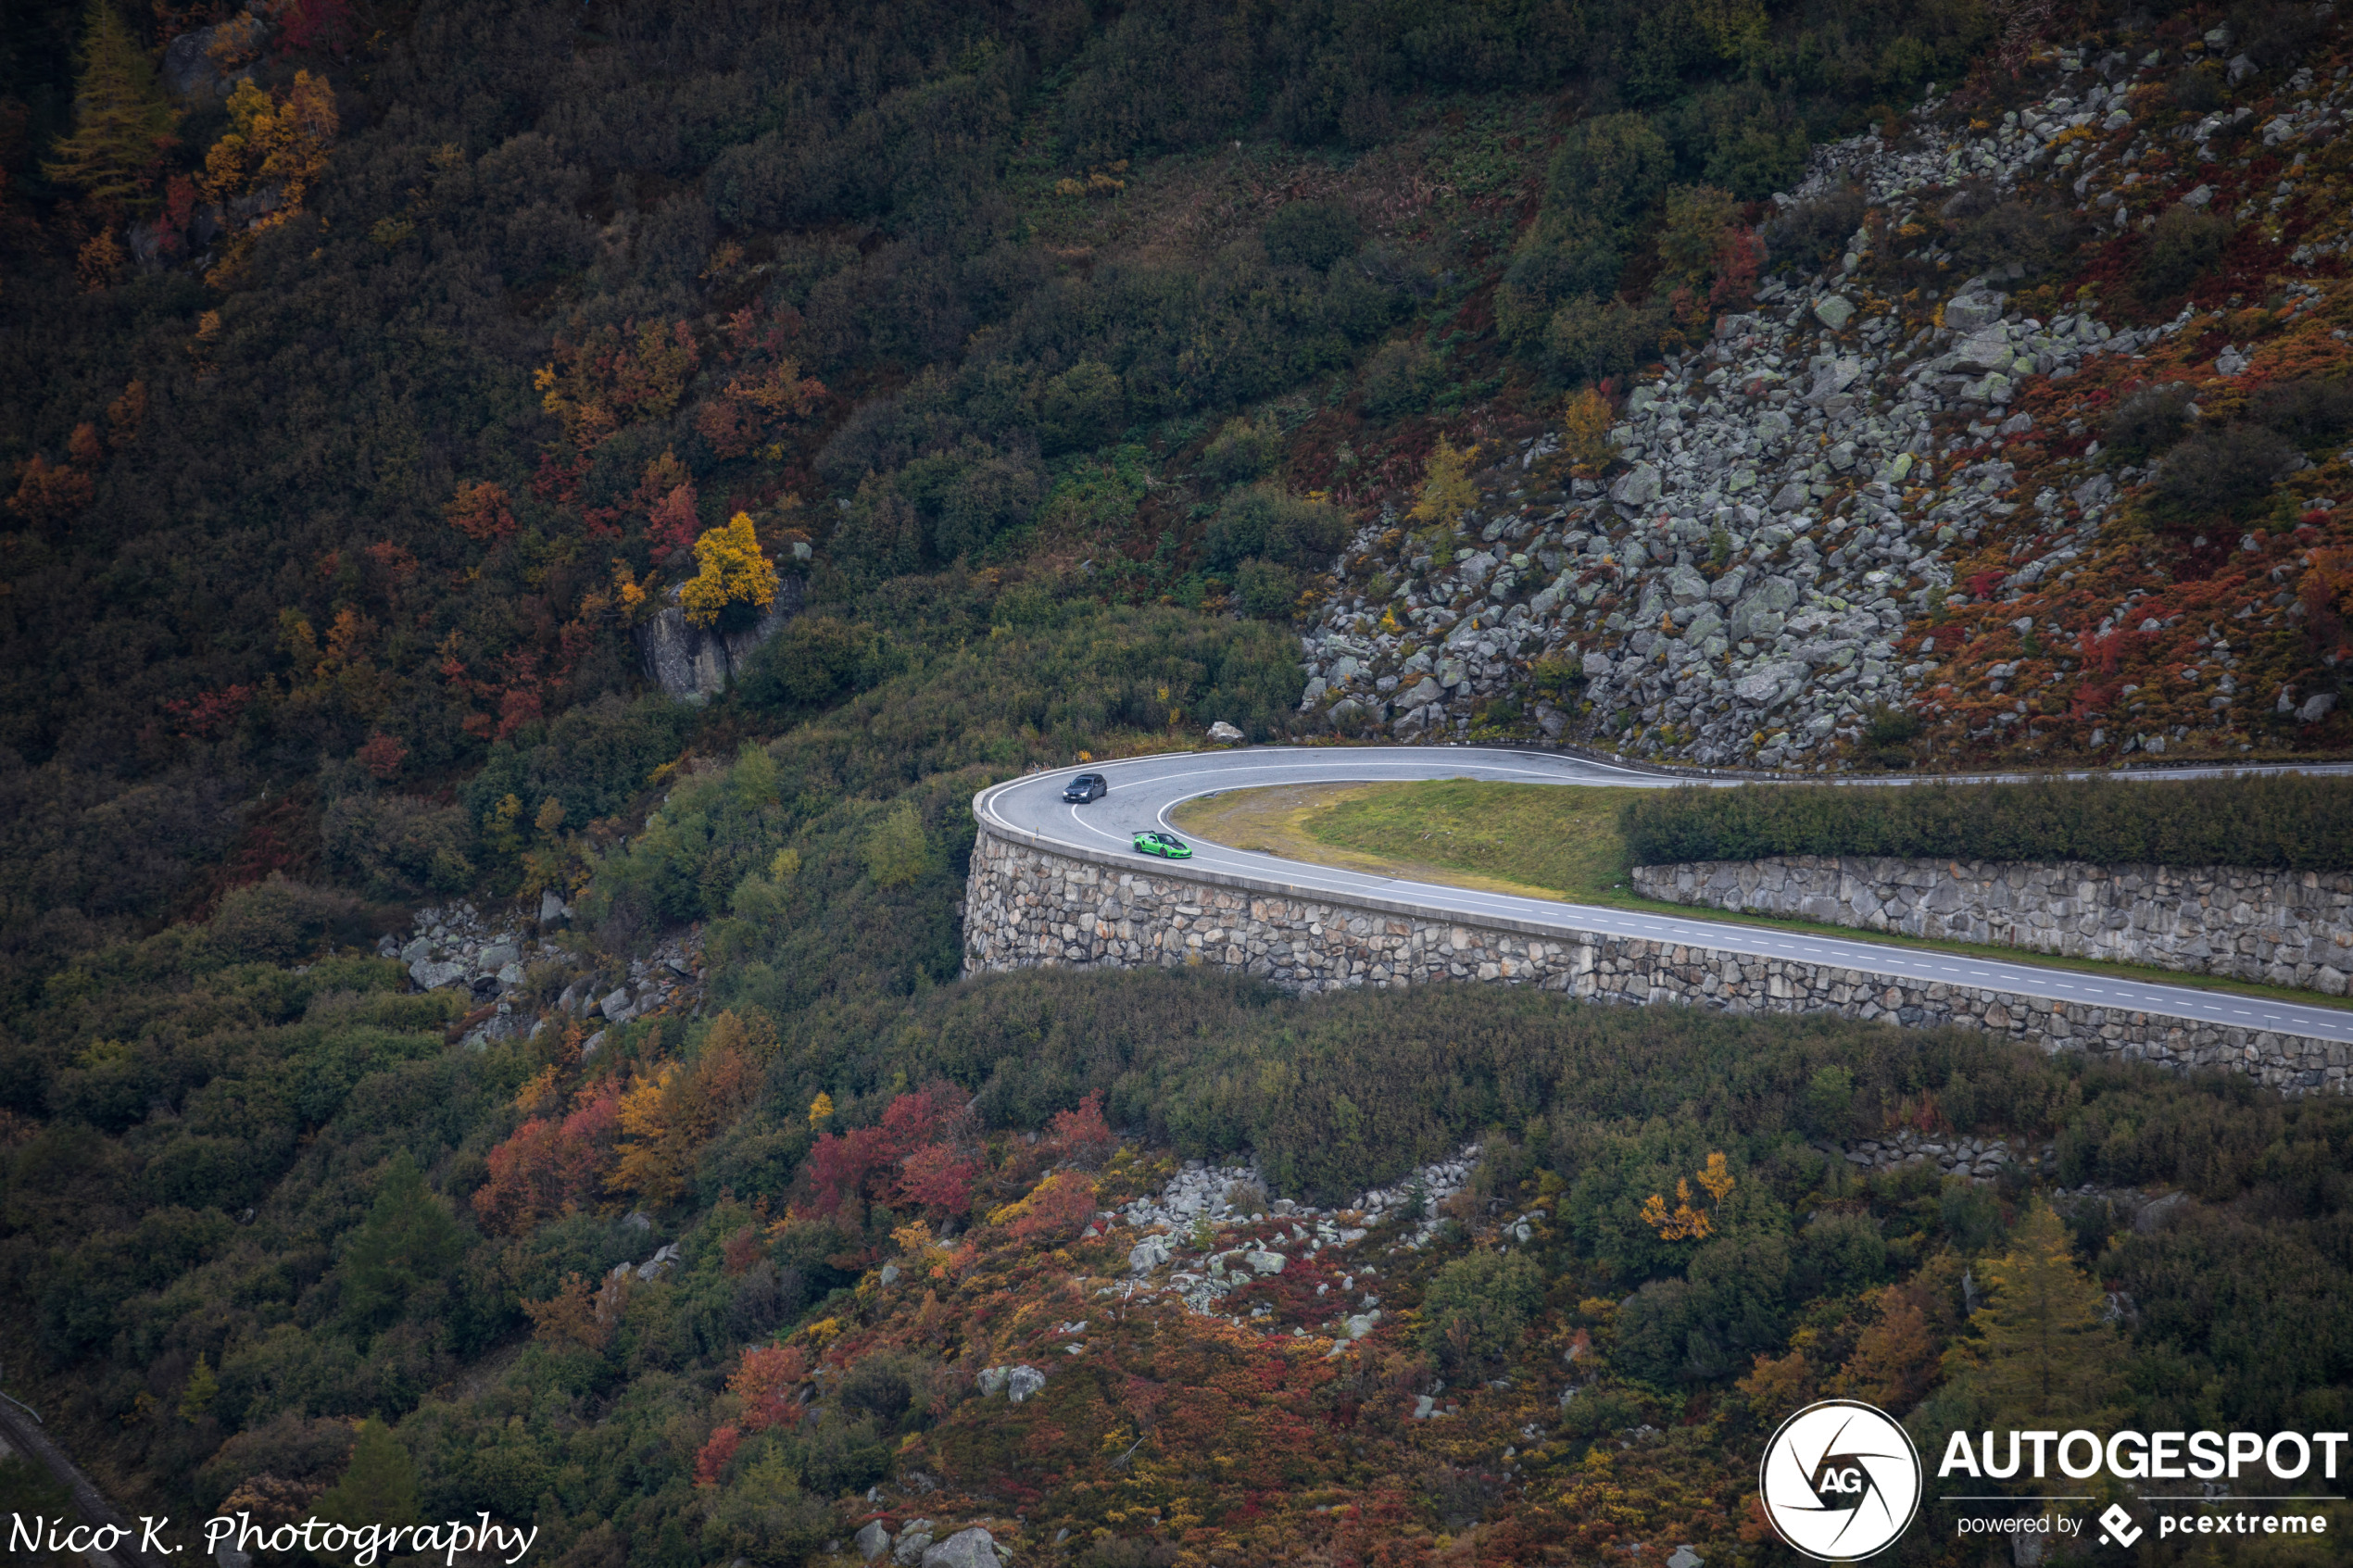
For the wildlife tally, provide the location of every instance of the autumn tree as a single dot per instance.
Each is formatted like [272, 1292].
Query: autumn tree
[733, 572]
[1080, 1136]
[666, 1118]
[617, 376]
[1447, 494]
[273, 141]
[765, 1381]
[481, 510]
[2041, 1351]
[48, 492]
[1894, 1362]
[753, 404]
[127, 414]
[569, 1317]
[121, 124]
[1052, 1212]
[1685, 1222]
[1585, 424]
[549, 1166]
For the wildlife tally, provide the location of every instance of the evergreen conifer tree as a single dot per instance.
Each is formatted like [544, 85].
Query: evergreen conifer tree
[379, 1484]
[122, 123]
[2041, 1353]
[408, 1239]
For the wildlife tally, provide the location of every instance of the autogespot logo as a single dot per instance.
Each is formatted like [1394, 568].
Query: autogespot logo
[1840, 1480]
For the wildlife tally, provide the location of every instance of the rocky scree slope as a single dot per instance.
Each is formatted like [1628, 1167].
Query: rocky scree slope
[1875, 507]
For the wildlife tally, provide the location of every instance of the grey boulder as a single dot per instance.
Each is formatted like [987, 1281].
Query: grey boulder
[974, 1548]
[1967, 313]
[1637, 487]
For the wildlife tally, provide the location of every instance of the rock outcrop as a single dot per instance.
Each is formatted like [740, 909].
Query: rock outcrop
[694, 664]
[1766, 573]
[208, 62]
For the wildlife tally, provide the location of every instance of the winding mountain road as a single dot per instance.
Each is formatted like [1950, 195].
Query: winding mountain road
[1145, 791]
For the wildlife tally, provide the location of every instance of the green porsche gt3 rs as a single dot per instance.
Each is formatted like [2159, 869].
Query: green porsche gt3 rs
[1165, 845]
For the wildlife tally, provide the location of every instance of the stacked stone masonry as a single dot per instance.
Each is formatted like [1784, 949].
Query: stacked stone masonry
[1031, 908]
[2284, 928]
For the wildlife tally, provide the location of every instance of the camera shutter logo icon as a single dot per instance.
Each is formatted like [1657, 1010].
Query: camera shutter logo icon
[1840, 1480]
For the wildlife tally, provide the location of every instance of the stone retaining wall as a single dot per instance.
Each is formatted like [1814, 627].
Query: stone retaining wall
[1027, 906]
[2284, 928]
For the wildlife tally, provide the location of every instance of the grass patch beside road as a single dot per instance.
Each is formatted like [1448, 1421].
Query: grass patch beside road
[1452, 830]
[1561, 839]
[1544, 841]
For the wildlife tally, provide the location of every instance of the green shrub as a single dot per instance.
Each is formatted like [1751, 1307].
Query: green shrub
[1311, 234]
[1611, 167]
[2149, 421]
[1242, 451]
[1730, 1303]
[1589, 338]
[2273, 34]
[1478, 1308]
[279, 921]
[1838, 1255]
[815, 661]
[1265, 590]
[1083, 409]
[1557, 680]
[2195, 89]
[1605, 177]
[1810, 233]
[1740, 134]
[1402, 378]
[1991, 234]
[2287, 823]
[1264, 520]
[895, 852]
[394, 846]
[1829, 1103]
[2307, 413]
[593, 760]
[2227, 471]
[2183, 246]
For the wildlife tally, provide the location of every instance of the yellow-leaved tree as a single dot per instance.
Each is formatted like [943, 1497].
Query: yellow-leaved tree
[733, 572]
[1585, 425]
[121, 124]
[1685, 1222]
[2042, 1351]
[1448, 493]
[272, 142]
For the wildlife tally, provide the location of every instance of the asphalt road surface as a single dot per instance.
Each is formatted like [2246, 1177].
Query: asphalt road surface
[1146, 790]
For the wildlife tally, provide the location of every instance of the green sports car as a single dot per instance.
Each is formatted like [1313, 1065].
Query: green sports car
[1165, 845]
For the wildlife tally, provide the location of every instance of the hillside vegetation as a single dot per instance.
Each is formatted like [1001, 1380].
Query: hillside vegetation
[372, 376]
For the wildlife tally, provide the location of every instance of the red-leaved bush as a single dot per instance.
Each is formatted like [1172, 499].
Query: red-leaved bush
[715, 1455]
[766, 1382]
[547, 1167]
